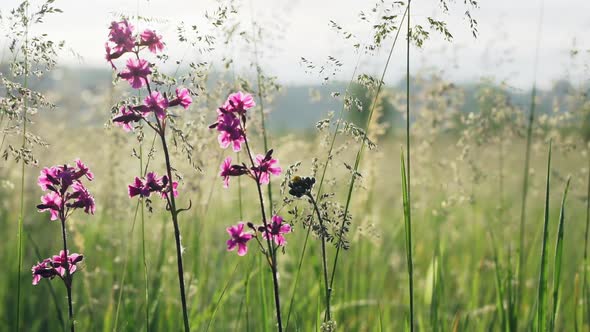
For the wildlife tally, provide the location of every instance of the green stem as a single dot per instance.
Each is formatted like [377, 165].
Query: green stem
[22, 179]
[358, 157]
[585, 293]
[328, 290]
[408, 159]
[271, 252]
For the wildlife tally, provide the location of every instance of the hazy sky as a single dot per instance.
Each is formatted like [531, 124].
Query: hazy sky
[504, 49]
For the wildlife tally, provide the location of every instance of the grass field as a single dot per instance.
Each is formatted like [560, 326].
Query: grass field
[491, 245]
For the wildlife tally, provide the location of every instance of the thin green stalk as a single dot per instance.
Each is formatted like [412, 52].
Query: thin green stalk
[525, 182]
[558, 256]
[498, 278]
[49, 285]
[271, 250]
[260, 97]
[408, 234]
[585, 292]
[218, 303]
[542, 289]
[22, 178]
[328, 290]
[144, 253]
[124, 269]
[359, 154]
[408, 205]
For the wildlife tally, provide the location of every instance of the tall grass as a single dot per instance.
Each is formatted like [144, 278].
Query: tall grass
[558, 258]
[406, 180]
[585, 291]
[542, 286]
[525, 181]
[23, 162]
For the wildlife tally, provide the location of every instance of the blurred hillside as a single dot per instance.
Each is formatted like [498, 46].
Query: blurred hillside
[294, 108]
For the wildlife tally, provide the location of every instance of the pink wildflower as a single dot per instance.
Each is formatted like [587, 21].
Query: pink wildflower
[152, 40]
[239, 102]
[51, 202]
[276, 229]
[238, 238]
[59, 262]
[230, 132]
[227, 170]
[48, 177]
[44, 269]
[83, 199]
[125, 118]
[121, 34]
[265, 166]
[136, 72]
[157, 103]
[183, 98]
[83, 170]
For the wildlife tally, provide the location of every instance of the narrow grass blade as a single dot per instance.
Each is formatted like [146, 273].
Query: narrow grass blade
[585, 291]
[558, 256]
[408, 232]
[542, 287]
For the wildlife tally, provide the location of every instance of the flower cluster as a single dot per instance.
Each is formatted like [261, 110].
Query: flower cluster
[55, 266]
[66, 190]
[137, 70]
[231, 122]
[231, 125]
[239, 238]
[152, 183]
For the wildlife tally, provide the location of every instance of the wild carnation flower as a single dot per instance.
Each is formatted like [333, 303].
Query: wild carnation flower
[276, 229]
[230, 132]
[239, 102]
[152, 183]
[265, 166]
[157, 103]
[136, 72]
[183, 98]
[125, 117]
[48, 177]
[59, 262]
[121, 34]
[83, 199]
[50, 202]
[227, 170]
[238, 238]
[58, 180]
[44, 269]
[83, 170]
[152, 40]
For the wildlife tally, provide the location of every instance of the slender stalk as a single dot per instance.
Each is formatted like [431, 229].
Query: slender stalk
[359, 154]
[68, 277]
[328, 290]
[260, 96]
[408, 187]
[22, 178]
[558, 257]
[174, 214]
[271, 249]
[541, 294]
[585, 293]
[144, 253]
[525, 182]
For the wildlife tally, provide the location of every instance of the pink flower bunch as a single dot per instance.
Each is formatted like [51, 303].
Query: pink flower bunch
[66, 190]
[136, 72]
[239, 238]
[151, 183]
[122, 41]
[55, 266]
[229, 120]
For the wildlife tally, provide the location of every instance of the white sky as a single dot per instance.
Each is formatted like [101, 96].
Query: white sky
[504, 49]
